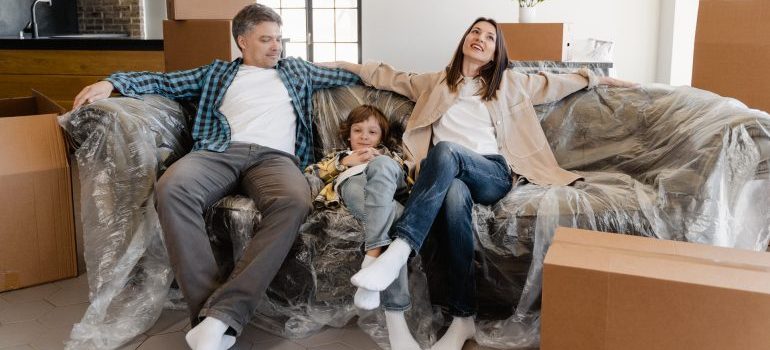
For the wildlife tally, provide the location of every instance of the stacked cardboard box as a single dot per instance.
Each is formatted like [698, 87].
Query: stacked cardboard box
[606, 291]
[732, 50]
[537, 41]
[37, 234]
[199, 31]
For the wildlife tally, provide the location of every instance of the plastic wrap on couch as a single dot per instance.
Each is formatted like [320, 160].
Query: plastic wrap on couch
[681, 164]
[122, 145]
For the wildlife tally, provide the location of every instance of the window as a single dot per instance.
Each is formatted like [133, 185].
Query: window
[320, 30]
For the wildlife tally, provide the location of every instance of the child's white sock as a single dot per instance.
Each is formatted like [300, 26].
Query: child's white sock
[364, 298]
[461, 329]
[398, 332]
[383, 271]
[209, 335]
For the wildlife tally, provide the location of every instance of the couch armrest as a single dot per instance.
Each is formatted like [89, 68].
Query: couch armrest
[122, 146]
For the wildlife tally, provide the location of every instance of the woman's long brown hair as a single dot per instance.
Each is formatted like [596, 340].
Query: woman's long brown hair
[491, 73]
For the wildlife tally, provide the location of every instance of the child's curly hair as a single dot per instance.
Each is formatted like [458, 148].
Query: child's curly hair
[362, 113]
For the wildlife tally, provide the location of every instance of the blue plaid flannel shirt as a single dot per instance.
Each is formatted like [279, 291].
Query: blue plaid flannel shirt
[211, 131]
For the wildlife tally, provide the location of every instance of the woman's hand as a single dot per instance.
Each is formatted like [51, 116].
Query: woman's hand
[93, 92]
[350, 67]
[609, 81]
[360, 156]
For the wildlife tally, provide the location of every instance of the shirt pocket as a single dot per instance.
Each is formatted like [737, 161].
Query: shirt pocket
[523, 135]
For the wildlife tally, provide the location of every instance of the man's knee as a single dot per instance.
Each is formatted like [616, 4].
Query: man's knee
[169, 189]
[297, 200]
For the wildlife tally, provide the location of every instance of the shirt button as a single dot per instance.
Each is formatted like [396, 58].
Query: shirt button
[498, 122]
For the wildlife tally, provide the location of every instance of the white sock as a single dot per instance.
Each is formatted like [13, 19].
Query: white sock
[209, 335]
[383, 271]
[364, 298]
[398, 332]
[461, 329]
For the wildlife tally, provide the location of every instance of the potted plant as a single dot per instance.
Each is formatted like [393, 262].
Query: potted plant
[527, 11]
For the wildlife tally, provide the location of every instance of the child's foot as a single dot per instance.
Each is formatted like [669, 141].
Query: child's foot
[367, 299]
[209, 335]
[461, 329]
[398, 332]
[383, 271]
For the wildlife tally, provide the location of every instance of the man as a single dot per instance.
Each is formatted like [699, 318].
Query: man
[254, 116]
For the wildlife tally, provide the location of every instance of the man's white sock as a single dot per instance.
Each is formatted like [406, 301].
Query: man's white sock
[209, 335]
[461, 329]
[398, 332]
[383, 271]
[364, 298]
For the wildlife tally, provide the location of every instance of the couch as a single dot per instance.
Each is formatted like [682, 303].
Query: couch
[658, 161]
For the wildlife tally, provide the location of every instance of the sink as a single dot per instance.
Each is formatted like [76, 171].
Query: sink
[89, 36]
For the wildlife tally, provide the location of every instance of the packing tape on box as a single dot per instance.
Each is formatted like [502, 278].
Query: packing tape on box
[9, 280]
[674, 257]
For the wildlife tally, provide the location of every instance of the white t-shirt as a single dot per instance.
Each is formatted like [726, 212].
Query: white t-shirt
[258, 108]
[468, 122]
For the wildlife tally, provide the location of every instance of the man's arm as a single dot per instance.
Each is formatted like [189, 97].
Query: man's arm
[323, 77]
[180, 84]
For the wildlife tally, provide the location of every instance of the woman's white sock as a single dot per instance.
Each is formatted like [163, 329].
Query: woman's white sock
[461, 329]
[384, 270]
[398, 332]
[364, 298]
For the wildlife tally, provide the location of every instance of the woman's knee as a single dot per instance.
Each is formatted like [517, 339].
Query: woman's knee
[443, 152]
[458, 198]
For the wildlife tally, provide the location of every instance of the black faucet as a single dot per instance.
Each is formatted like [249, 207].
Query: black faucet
[31, 26]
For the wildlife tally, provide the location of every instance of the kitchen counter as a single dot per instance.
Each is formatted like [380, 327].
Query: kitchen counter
[118, 44]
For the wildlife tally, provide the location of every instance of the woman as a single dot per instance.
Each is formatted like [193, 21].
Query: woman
[472, 131]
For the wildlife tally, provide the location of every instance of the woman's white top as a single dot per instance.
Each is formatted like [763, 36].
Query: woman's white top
[468, 122]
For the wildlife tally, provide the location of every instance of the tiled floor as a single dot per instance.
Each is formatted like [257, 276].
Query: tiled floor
[41, 317]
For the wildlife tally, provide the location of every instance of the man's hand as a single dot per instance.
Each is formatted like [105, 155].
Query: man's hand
[616, 82]
[360, 156]
[93, 92]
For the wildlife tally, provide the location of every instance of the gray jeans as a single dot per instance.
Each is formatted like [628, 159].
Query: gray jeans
[198, 180]
[369, 197]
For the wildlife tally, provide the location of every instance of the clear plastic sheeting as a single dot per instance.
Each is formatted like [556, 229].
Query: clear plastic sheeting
[122, 146]
[680, 164]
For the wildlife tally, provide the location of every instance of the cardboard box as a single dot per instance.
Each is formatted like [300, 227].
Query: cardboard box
[732, 50]
[537, 41]
[204, 9]
[37, 234]
[611, 291]
[191, 44]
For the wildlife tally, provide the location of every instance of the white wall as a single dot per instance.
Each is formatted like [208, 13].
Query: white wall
[421, 35]
[676, 41]
[154, 14]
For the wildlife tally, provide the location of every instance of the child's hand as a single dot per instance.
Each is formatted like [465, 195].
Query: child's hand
[360, 156]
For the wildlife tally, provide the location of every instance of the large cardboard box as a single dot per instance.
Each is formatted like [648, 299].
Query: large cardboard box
[37, 237]
[204, 9]
[611, 291]
[732, 50]
[537, 41]
[191, 44]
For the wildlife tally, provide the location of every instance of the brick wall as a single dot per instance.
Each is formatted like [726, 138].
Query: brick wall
[111, 16]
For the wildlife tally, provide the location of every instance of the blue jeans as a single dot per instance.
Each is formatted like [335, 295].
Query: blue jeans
[369, 197]
[451, 179]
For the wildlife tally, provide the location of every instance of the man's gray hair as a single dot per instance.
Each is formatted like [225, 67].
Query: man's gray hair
[252, 15]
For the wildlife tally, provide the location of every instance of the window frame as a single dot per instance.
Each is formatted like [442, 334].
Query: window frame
[309, 43]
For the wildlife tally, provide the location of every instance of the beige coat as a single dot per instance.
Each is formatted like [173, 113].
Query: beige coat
[520, 138]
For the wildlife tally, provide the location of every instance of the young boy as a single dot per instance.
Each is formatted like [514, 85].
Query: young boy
[366, 177]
